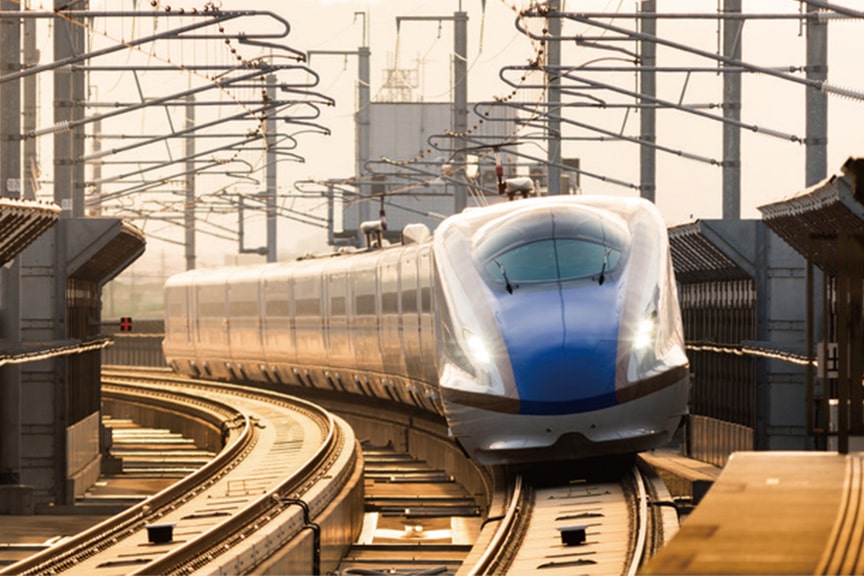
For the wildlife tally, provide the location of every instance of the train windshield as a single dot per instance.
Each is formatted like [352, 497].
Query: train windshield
[553, 260]
[553, 248]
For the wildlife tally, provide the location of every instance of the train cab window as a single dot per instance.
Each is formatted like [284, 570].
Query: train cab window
[553, 260]
[544, 247]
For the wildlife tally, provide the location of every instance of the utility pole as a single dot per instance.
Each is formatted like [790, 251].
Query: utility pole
[270, 134]
[10, 279]
[648, 90]
[10, 96]
[553, 111]
[363, 124]
[816, 139]
[96, 206]
[460, 102]
[30, 183]
[68, 90]
[732, 28]
[189, 204]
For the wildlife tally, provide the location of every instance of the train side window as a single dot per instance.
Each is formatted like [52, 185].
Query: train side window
[390, 303]
[364, 304]
[308, 307]
[211, 309]
[280, 308]
[337, 306]
[409, 301]
[426, 299]
[244, 309]
[425, 280]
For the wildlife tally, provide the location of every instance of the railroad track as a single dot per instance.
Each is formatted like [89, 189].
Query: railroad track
[285, 461]
[557, 522]
[519, 514]
[499, 521]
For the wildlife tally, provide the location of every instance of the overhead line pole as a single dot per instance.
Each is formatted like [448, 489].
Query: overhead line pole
[189, 204]
[732, 32]
[270, 135]
[364, 125]
[648, 115]
[553, 97]
[816, 102]
[31, 156]
[460, 103]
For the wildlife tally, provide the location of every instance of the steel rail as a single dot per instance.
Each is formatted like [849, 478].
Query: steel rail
[641, 521]
[188, 557]
[69, 552]
[313, 479]
[488, 562]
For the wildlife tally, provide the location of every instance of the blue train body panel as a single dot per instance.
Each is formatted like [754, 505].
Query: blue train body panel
[562, 344]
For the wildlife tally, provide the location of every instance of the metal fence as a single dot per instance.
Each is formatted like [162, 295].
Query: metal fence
[140, 347]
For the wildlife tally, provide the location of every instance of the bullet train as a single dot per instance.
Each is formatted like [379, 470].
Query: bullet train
[541, 329]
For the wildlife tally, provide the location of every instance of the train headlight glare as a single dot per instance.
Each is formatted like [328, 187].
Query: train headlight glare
[644, 336]
[476, 347]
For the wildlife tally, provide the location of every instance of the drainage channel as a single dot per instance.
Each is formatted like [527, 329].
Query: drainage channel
[417, 519]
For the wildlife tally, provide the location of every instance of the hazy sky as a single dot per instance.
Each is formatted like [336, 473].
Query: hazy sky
[771, 168]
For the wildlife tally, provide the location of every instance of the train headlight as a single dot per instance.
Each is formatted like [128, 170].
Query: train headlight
[477, 349]
[645, 332]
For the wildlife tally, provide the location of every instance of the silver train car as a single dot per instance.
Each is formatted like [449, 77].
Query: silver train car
[542, 329]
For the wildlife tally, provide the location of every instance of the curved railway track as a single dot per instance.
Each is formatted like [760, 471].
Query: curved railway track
[522, 512]
[597, 526]
[230, 515]
[284, 462]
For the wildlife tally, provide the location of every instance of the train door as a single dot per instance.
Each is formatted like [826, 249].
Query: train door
[365, 314]
[213, 327]
[410, 313]
[391, 337]
[338, 338]
[246, 348]
[179, 342]
[428, 336]
[278, 322]
[308, 314]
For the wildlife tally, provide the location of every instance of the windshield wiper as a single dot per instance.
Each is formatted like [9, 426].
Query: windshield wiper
[602, 277]
[507, 285]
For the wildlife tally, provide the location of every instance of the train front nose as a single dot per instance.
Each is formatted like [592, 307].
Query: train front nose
[562, 345]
